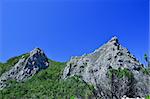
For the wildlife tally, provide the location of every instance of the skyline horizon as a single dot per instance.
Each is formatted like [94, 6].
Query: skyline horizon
[114, 36]
[64, 28]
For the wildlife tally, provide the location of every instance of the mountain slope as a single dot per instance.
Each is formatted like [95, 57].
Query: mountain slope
[26, 67]
[113, 71]
[109, 72]
[10, 63]
[48, 85]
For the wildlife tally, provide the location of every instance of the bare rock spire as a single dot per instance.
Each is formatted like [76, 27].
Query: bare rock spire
[114, 38]
[94, 68]
[26, 67]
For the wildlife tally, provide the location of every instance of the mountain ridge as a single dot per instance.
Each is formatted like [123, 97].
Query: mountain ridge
[103, 73]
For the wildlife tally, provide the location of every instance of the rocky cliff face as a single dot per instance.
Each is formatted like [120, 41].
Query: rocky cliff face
[113, 71]
[26, 67]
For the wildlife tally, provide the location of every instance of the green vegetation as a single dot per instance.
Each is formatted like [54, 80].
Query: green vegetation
[147, 97]
[11, 62]
[120, 73]
[147, 59]
[25, 55]
[47, 84]
[145, 71]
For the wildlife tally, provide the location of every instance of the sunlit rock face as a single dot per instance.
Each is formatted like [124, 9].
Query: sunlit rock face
[94, 69]
[26, 67]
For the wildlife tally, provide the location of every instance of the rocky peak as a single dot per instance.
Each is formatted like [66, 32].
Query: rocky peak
[37, 58]
[93, 68]
[113, 40]
[37, 51]
[26, 67]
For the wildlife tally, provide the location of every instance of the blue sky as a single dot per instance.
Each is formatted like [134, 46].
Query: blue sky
[65, 28]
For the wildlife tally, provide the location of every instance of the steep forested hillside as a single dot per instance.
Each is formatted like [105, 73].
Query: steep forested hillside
[46, 84]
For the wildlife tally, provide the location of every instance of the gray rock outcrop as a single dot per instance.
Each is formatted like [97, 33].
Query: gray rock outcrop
[25, 68]
[94, 69]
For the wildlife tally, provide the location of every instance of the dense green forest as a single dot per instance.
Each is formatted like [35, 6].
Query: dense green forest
[47, 84]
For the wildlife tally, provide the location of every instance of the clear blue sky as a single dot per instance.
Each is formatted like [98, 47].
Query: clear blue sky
[65, 28]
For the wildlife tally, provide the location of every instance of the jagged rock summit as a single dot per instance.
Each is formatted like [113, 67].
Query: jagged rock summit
[26, 67]
[113, 71]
